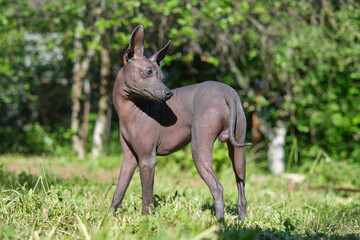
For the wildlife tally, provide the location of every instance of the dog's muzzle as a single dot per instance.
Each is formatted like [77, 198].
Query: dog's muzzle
[167, 93]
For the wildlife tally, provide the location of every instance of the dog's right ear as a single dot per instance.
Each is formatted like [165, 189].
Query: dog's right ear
[136, 46]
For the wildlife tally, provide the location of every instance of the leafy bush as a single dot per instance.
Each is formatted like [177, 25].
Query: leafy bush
[297, 61]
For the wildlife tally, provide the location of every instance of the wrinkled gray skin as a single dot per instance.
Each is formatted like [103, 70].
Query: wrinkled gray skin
[156, 121]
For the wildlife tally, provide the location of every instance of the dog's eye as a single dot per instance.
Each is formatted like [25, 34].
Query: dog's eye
[149, 71]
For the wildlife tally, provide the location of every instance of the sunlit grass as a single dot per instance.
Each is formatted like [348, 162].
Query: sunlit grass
[62, 198]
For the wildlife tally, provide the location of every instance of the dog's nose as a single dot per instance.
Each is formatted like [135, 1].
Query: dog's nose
[168, 93]
[165, 93]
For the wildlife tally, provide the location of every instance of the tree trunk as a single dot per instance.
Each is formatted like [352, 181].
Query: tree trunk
[80, 69]
[101, 121]
[76, 108]
[276, 148]
[255, 128]
[87, 91]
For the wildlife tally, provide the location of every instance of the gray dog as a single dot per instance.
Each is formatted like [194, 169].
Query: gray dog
[156, 121]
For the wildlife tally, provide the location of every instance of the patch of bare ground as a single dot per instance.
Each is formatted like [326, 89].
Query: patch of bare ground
[190, 181]
[75, 170]
[64, 172]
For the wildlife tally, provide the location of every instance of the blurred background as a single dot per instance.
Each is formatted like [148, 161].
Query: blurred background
[295, 65]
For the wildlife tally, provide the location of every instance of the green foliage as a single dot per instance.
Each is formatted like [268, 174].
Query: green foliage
[21, 66]
[321, 69]
[292, 60]
[15, 98]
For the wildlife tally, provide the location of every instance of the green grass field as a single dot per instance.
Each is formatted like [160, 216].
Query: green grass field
[62, 198]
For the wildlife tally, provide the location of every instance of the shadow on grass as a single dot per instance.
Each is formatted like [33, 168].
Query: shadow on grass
[239, 231]
[230, 209]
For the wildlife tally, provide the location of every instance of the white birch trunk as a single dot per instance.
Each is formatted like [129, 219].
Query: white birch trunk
[276, 148]
[80, 69]
[100, 124]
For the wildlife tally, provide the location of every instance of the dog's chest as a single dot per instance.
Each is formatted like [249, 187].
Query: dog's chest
[173, 139]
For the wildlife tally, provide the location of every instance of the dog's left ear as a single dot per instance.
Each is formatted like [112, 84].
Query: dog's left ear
[160, 55]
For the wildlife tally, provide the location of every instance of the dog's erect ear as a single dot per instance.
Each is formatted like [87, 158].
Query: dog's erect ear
[136, 46]
[159, 55]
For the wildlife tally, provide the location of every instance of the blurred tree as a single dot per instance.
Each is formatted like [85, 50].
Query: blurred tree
[78, 21]
[104, 104]
[295, 63]
[16, 100]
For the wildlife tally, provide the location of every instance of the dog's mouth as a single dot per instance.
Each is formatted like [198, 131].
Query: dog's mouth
[159, 96]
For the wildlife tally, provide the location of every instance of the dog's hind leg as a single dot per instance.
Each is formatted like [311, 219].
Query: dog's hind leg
[201, 147]
[237, 156]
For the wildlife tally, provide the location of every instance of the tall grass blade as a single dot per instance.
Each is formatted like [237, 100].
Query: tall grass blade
[207, 233]
[51, 233]
[316, 162]
[46, 181]
[293, 156]
[83, 228]
[53, 172]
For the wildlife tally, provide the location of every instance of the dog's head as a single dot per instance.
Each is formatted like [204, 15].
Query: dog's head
[142, 76]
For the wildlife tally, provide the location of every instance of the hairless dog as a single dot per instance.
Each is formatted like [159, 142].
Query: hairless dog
[157, 121]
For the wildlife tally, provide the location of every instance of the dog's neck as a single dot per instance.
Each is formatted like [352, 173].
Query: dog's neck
[126, 102]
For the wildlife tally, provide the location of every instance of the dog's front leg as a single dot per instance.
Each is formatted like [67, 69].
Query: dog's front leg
[127, 171]
[147, 173]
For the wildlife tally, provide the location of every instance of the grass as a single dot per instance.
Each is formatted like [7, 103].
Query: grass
[62, 198]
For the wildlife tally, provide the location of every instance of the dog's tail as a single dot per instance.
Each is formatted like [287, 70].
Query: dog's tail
[233, 109]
